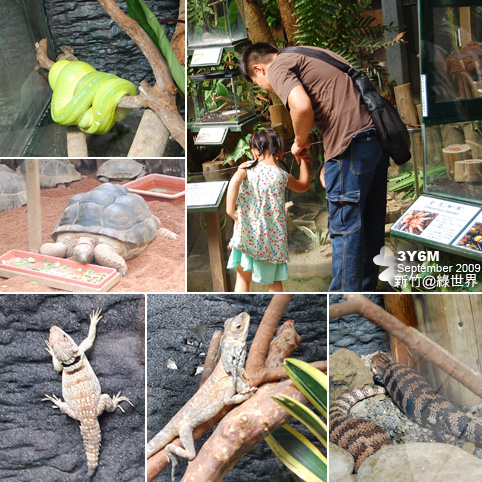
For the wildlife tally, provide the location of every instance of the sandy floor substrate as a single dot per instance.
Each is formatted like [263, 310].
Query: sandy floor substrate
[161, 267]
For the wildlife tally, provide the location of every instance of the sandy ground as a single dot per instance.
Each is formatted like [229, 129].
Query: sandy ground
[160, 268]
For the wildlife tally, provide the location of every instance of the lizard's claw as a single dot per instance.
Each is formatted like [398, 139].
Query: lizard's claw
[96, 316]
[49, 348]
[116, 399]
[53, 399]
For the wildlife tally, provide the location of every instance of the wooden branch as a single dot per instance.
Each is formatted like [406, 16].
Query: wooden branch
[158, 462]
[162, 97]
[213, 350]
[358, 304]
[243, 428]
[283, 345]
[255, 363]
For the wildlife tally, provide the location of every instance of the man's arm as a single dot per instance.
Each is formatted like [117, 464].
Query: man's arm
[303, 118]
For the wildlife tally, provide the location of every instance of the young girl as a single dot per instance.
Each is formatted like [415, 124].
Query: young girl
[259, 246]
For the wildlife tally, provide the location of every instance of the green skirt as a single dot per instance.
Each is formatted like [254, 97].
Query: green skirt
[262, 271]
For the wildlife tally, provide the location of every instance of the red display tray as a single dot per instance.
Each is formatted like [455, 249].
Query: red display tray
[158, 187]
[57, 280]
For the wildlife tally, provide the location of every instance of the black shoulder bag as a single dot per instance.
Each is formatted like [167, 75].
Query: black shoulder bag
[391, 130]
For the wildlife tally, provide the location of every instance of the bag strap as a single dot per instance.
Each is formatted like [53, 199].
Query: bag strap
[320, 55]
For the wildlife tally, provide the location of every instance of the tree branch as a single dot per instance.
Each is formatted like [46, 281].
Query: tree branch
[358, 304]
[239, 431]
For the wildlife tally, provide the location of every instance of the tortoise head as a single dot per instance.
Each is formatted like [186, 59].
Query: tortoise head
[84, 250]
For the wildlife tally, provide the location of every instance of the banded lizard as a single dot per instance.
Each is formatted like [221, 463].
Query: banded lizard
[417, 399]
[360, 437]
[227, 385]
[80, 387]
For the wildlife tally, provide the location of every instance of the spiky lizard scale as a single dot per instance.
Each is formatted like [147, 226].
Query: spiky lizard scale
[81, 390]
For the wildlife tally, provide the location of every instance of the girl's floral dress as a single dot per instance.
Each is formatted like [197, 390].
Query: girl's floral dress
[260, 236]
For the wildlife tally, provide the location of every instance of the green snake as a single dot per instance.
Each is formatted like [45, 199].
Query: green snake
[86, 97]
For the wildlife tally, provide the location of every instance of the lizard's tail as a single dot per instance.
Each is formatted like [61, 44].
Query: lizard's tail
[90, 431]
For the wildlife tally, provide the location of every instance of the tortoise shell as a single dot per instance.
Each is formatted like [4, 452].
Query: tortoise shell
[13, 192]
[54, 172]
[109, 210]
[119, 169]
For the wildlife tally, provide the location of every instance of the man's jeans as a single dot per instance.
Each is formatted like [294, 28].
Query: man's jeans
[356, 194]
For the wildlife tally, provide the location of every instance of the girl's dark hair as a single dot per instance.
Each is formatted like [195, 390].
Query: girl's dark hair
[265, 140]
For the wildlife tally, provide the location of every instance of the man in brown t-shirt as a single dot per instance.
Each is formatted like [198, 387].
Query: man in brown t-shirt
[355, 171]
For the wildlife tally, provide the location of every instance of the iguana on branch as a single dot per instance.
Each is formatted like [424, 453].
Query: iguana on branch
[80, 387]
[227, 385]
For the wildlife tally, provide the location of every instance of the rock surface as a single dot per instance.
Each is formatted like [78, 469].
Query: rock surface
[420, 462]
[40, 443]
[347, 372]
[180, 328]
[357, 333]
[99, 41]
[342, 463]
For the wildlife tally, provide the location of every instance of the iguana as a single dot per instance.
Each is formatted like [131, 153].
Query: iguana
[227, 385]
[80, 387]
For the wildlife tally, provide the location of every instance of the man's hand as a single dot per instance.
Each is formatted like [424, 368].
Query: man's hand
[301, 151]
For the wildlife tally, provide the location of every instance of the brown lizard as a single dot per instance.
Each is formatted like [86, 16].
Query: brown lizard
[227, 385]
[80, 387]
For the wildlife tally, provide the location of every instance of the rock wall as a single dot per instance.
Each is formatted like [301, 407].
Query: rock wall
[180, 328]
[98, 40]
[40, 443]
[357, 333]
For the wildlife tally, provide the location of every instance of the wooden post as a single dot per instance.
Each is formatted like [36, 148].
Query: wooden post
[216, 253]
[211, 171]
[452, 153]
[32, 175]
[469, 170]
[396, 54]
[401, 307]
[409, 115]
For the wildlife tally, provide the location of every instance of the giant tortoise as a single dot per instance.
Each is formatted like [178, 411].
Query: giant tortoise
[13, 192]
[107, 225]
[54, 172]
[120, 169]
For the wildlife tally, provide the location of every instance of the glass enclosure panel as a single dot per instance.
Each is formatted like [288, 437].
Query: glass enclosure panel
[221, 97]
[457, 53]
[215, 22]
[24, 92]
[453, 160]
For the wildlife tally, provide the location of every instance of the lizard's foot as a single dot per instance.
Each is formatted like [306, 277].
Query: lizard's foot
[174, 463]
[96, 316]
[56, 401]
[49, 348]
[116, 399]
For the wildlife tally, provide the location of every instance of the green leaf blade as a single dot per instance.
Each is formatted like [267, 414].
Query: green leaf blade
[298, 454]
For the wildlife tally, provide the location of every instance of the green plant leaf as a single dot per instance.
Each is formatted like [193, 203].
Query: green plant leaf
[139, 11]
[310, 381]
[305, 416]
[298, 454]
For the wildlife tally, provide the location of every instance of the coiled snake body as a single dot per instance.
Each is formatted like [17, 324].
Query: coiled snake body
[86, 97]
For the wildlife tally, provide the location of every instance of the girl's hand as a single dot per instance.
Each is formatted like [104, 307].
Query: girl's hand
[301, 151]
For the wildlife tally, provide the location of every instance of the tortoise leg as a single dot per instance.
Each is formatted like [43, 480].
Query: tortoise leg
[165, 233]
[58, 249]
[106, 256]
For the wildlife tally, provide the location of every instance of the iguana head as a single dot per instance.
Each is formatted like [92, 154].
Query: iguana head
[236, 328]
[64, 347]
